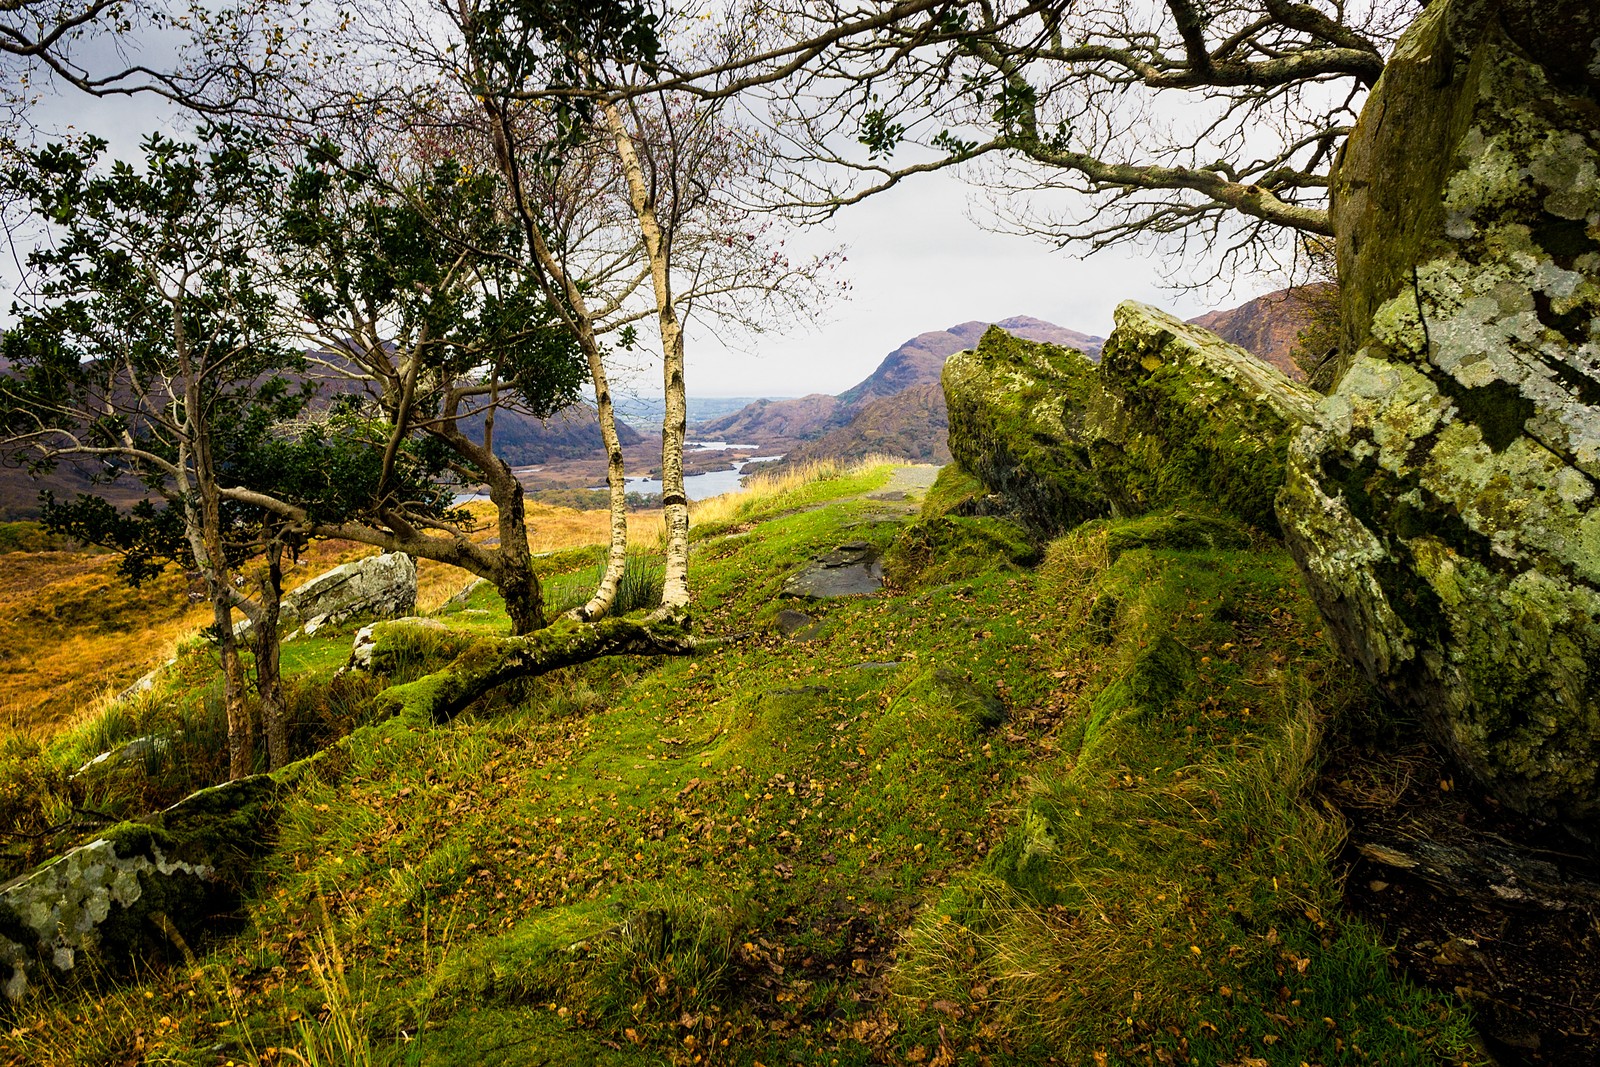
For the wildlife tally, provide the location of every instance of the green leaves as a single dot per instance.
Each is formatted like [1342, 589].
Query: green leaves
[879, 134]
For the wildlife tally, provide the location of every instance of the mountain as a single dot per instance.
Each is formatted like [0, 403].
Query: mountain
[520, 439]
[1268, 326]
[766, 420]
[571, 433]
[913, 424]
[915, 363]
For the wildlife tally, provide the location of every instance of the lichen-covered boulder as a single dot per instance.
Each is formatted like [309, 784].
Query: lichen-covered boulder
[1192, 418]
[131, 889]
[1173, 414]
[376, 587]
[1022, 415]
[1442, 506]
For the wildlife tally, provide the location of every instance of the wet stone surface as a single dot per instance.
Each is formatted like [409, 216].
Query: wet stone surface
[851, 569]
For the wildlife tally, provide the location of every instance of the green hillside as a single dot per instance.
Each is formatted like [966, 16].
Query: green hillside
[1026, 806]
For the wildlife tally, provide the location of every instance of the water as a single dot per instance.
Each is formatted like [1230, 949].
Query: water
[703, 486]
[695, 486]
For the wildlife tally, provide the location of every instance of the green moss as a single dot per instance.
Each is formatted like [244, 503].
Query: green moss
[1178, 528]
[1018, 411]
[643, 858]
[954, 490]
[949, 549]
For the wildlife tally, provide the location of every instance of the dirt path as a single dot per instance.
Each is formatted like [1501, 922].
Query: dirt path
[906, 488]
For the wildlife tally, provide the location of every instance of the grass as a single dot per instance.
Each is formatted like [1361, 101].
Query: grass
[815, 852]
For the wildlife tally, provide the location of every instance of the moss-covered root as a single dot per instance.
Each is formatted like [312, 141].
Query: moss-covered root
[492, 662]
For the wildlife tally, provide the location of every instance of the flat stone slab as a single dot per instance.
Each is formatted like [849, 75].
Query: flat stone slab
[796, 625]
[852, 569]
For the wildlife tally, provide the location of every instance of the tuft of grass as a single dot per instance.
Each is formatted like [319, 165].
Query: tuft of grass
[1167, 881]
[643, 577]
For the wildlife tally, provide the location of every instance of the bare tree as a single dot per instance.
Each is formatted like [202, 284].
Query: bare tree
[1214, 122]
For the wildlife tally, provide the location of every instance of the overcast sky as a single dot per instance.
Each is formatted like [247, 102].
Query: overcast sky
[914, 258]
[917, 262]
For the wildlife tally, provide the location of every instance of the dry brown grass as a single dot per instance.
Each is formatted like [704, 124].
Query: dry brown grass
[73, 633]
[550, 529]
[731, 507]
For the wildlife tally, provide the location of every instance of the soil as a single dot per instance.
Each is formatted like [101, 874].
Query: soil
[1529, 969]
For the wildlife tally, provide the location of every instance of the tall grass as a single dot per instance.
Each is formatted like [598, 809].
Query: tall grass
[768, 492]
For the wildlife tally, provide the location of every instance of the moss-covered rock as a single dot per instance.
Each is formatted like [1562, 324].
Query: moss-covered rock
[951, 548]
[1195, 419]
[1022, 416]
[1176, 528]
[1441, 507]
[956, 491]
[125, 892]
[1173, 414]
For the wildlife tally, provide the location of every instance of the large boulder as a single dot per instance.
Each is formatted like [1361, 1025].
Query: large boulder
[1173, 414]
[132, 889]
[1442, 505]
[1022, 415]
[375, 587]
[1192, 419]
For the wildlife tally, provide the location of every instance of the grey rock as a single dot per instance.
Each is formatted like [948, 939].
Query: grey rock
[381, 587]
[185, 863]
[1173, 414]
[145, 683]
[852, 569]
[796, 625]
[1441, 506]
[466, 591]
[140, 749]
[366, 639]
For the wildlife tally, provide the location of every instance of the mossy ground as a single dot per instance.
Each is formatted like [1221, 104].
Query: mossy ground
[811, 852]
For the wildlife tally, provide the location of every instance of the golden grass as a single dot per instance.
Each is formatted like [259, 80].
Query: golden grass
[73, 633]
[730, 507]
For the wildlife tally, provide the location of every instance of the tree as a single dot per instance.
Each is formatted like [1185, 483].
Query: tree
[680, 164]
[413, 290]
[147, 345]
[212, 60]
[1217, 122]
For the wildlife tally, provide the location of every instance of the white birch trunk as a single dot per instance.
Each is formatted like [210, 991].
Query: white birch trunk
[674, 503]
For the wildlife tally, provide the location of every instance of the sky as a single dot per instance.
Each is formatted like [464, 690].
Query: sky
[915, 258]
[917, 261]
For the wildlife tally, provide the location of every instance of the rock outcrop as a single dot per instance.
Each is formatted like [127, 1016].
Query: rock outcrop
[375, 587]
[1442, 506]
[1023, 416]
[1172, 414]
[138, 885]
[1192, 419]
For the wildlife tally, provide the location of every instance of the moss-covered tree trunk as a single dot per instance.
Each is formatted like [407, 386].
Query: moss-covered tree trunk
[269, 667]
[492, 662]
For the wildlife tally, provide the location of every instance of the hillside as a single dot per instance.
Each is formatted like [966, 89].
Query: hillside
[1269, 325]
[813, 848]
[572, 433]
[911, 424]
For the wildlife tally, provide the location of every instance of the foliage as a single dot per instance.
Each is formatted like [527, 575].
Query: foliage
[432, 255]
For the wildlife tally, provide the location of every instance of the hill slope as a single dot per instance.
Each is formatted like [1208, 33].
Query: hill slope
[966, 820]
[1269, 325]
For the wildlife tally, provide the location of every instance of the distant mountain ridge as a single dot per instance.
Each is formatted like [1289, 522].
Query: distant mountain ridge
[1269, 326]
[917, 362]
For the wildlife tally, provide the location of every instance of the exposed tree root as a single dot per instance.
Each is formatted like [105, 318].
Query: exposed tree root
[493, 661]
